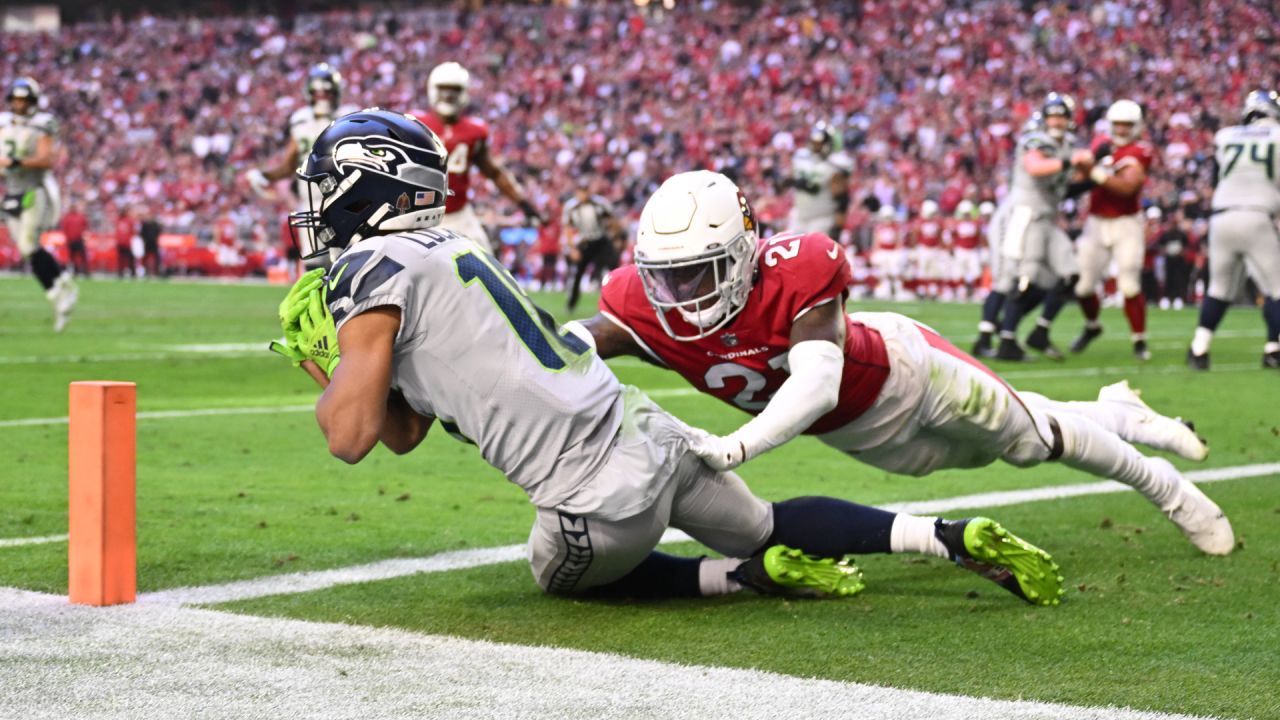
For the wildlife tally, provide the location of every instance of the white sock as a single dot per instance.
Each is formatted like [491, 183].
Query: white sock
[1043, 322]
[1200, 342]
[1089, 446]
[713, 576]
[911, 534]
[986, 327]
[1271, 347]
[1138, 336]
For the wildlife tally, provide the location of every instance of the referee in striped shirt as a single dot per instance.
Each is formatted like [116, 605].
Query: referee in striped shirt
[591, 226]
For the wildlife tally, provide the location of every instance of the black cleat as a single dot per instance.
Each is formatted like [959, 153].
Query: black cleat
[1140, 350]
[1009, 349]
[982, 346]
[787, 572]
[1039, 341]
[982, 546]
[1089, 335]
[1197, 362]
[1271, 360]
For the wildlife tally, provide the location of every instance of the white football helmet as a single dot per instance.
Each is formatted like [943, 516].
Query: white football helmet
[447, 88]
[886, 212]
[1125, 111]
[987, 208]
[928, 209]
[966, 209]
[696, 251]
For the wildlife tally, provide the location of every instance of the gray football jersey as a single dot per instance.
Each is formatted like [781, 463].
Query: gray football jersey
[1248, 167]
[1041, 194]
[476, 353]
[18, 137]
[813, 168]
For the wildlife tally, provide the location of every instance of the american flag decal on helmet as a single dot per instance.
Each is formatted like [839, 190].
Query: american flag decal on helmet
[424, 197]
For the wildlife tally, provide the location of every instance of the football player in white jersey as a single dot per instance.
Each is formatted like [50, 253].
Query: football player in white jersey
[28, 149]
[322, 92]
[1242, 228]
[820, 176]
[432, 329]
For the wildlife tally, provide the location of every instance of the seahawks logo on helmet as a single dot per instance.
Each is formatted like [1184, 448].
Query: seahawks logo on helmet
[373, 153]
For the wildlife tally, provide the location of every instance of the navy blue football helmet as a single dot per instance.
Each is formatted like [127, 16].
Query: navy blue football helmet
[24, 88]
[370, 173]
[323, 89]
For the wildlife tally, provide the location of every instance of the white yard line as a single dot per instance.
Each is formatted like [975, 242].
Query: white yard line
[463, 559]
[15, 542]
[147, 661]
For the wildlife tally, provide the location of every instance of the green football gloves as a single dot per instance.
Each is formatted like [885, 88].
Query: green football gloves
[309, 330]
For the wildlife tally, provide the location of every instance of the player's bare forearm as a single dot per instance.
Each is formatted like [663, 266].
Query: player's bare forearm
[1127, 181]
[44, 156]
[353, 407]
[1038, 165]
[403, 429]
[286, 166]
[611, 340]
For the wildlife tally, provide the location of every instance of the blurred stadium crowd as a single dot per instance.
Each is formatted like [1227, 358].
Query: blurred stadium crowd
[160, 117]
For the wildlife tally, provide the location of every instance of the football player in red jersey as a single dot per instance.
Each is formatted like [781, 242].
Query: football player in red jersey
[761, 325]
[466, 137]
[966, 233]
[1115, 229]
[889, 255]
[932, 254]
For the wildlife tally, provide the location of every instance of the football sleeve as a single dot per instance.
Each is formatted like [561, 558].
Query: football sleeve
[817, 275]
[372, 274]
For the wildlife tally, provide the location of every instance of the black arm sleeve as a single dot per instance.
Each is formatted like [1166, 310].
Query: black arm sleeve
[1076, 189]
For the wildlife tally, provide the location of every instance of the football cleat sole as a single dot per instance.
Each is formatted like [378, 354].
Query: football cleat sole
[1032, 573]
[806, 576]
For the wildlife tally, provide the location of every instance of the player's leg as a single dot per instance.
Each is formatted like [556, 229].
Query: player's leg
[1094, 257]
[585, 257]
[1129, 247]
[35, 214]
[1263, 261]
[1026, 252]
[1002, 282]
[1229, 238]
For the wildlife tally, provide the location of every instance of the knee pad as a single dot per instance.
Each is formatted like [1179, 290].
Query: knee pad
[1129, 285]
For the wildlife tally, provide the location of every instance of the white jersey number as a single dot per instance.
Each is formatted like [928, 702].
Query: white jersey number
[755, 382]
[459, 162]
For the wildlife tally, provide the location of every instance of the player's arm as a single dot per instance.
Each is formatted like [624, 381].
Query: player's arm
[816, 363]
[286, 165]
[1126, 180]
[358, 407]
[505, 181]
[607, 337]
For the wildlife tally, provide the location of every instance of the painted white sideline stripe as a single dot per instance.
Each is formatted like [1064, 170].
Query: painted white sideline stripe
[464, 559]
[1016, 497]
[134, 357]
[141, 662]
[12, 542]
[174, 414]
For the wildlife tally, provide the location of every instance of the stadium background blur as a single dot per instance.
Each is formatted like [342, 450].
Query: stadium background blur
[163, 105]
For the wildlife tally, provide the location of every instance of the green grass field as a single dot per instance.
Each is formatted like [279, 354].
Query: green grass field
[1148, 622]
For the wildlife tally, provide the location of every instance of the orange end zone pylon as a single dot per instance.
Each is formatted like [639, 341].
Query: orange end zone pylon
[101, 553]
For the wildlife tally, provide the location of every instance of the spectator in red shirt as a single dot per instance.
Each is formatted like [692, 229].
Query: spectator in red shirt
[74, 224]
[126, 228]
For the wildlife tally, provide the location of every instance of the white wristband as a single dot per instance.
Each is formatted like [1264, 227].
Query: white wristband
[1099, 174]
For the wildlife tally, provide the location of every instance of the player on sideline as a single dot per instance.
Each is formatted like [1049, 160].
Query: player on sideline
[1115, 228]
[761, 325]
[322, 92]
[820, 176]
[1242, 228]
[467, 138]
[28, 149]
[431, 327]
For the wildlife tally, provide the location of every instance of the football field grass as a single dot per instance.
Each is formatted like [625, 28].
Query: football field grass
[235, 483]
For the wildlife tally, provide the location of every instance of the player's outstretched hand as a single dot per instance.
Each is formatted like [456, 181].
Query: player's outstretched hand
[721, 454]
[295, 303]
[1082, 158]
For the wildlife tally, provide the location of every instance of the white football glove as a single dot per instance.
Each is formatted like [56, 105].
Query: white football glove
[257, 180]
[720, 453]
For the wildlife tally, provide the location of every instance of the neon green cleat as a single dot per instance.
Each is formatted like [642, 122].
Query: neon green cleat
[984, 547]
[781, 570]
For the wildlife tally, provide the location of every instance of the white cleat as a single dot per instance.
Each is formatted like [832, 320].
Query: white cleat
[1150, 428]
[1198, 517]
[64, 297]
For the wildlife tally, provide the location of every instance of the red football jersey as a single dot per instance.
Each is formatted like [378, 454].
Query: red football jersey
[744, 363]
[463, 140]
[1107, 204]
[887, 236]
[928, 232]
[966, 234]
